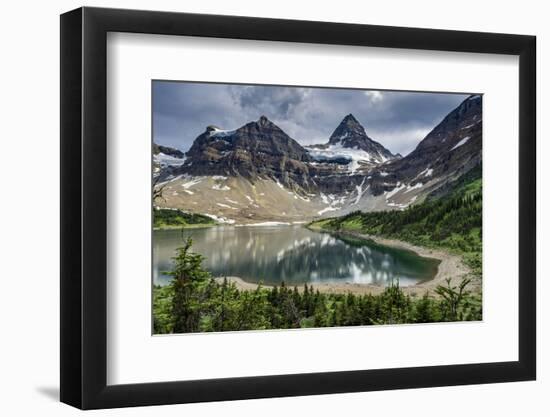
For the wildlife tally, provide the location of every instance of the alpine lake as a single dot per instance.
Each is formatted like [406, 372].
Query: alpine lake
[293, 254]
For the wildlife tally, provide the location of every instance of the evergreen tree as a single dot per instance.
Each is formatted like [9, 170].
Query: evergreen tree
[187, 279]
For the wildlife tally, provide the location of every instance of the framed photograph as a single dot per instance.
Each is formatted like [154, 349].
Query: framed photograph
[259, 208]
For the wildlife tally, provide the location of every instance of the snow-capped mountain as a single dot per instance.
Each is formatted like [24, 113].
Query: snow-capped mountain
[350, 142]
[256, 150]
[258, 173]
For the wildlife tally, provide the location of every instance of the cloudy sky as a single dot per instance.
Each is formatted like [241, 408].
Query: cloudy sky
[398, 120]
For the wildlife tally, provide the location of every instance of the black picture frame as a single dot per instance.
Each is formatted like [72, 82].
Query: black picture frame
[84, 207]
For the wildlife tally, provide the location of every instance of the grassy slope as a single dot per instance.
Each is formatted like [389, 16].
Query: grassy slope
[168, 218]
[452, 221]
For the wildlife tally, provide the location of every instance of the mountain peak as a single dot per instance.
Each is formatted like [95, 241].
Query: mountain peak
[350, 118]
[264, 121]
[351, 134]
[257, 150]
[348, 128]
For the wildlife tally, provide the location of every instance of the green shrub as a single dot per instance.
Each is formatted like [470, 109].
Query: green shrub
[173, 218]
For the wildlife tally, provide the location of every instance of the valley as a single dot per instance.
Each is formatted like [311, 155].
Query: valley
[257, 173]
[255, 229]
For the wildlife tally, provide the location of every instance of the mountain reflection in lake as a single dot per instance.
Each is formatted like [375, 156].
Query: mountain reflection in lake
[293, 254]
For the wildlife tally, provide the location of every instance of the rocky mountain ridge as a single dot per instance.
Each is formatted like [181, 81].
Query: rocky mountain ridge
[228, 174]
[451, 149]
[256, 150]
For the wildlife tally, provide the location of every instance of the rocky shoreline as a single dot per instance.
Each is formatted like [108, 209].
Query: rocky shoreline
[451, 266]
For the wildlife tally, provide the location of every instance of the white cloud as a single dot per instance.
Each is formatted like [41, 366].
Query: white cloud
[374, 96]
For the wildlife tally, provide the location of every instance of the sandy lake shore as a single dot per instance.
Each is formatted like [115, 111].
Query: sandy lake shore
[451, 266]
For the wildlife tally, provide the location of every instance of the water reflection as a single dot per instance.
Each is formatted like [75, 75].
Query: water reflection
[292, 254]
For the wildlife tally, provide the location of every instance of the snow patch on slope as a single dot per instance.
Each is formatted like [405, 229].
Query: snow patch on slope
[326, 209]
[231, 201]
[426, 173]
[220, 133]
[360, 191]
[226, 206]
[390, 194]
[413, 187]
[333, 203]
[399, 187]
[462, 142]
[192, 182]
[220, 219]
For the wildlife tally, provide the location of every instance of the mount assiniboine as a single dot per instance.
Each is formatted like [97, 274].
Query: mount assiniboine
[257, 173]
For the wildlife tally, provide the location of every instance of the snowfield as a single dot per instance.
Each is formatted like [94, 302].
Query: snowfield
[168, 160]
[354, 156]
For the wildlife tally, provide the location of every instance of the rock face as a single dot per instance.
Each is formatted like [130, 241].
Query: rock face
[259, 172]
[452, 148]
[258, 149]
[166, 150]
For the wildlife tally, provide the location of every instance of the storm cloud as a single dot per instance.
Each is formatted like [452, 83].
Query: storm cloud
[398, 120]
